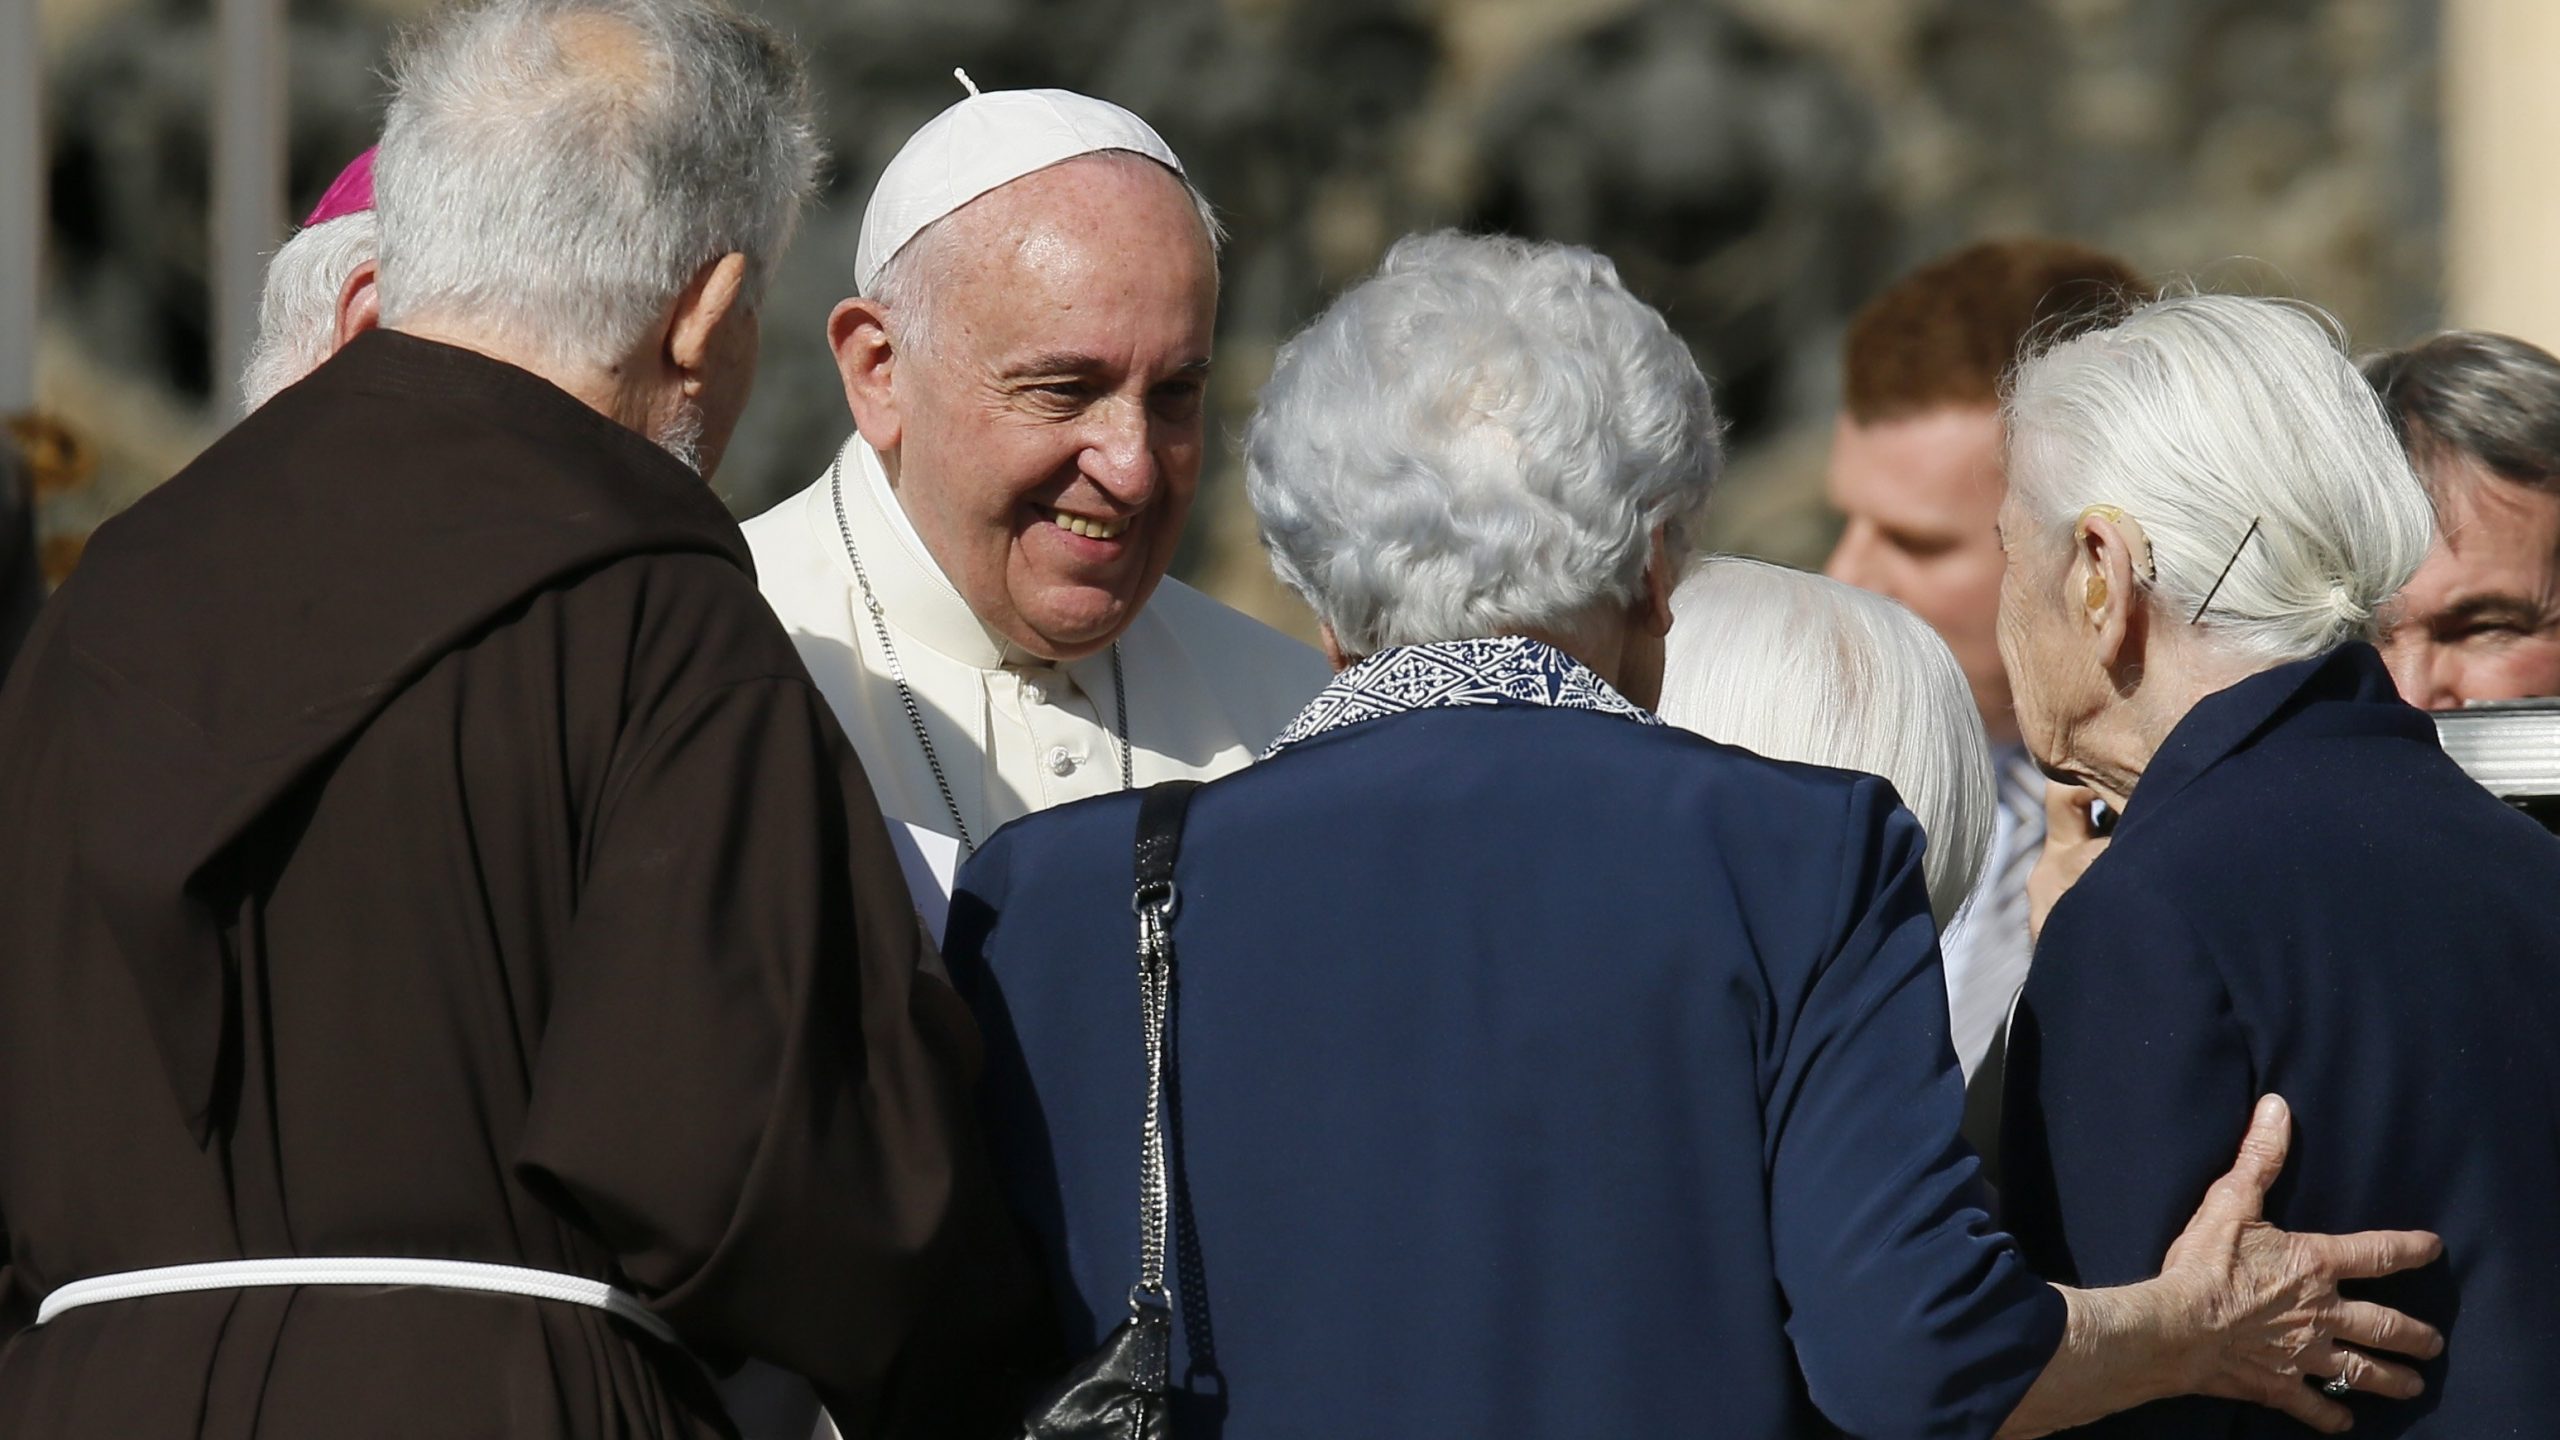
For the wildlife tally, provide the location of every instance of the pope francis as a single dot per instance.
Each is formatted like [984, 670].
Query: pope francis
[977, 582]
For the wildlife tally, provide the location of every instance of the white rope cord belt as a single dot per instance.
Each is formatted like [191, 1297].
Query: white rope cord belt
[436, 1274]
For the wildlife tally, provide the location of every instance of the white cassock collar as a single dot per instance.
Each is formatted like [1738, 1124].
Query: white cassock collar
[920, 599]
[922, 603]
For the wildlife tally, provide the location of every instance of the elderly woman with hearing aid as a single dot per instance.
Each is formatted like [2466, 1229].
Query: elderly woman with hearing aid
[2206, 509]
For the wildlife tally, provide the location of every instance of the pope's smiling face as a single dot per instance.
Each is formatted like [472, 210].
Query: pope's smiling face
[1046, 435]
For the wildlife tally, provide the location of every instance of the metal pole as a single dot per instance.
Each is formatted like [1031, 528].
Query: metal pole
[248, 176]
[21, 202]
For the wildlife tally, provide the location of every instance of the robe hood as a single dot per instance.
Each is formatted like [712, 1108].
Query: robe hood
[226, 636]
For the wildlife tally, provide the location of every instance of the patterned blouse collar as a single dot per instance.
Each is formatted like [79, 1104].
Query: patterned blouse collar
[1503, 670]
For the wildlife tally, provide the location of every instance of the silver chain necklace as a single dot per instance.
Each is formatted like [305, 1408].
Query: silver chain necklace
[907, 693]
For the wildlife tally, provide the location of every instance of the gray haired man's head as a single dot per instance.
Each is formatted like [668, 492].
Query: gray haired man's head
[565, 174]
[2479, 415]
[2469, 394]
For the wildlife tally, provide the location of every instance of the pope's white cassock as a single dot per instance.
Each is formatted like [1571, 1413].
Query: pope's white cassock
[1009, 733]
[1209, 687]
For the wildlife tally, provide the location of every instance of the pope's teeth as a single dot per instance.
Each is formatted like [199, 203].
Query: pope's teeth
[1090, 529]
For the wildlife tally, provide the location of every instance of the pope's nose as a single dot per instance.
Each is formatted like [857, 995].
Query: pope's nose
[1119, 460]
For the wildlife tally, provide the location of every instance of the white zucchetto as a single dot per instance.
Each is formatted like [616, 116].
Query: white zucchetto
[980, 143]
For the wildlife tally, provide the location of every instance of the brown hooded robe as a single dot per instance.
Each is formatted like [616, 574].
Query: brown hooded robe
[417, 838]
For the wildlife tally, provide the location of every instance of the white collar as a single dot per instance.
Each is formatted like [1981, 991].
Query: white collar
[915, 592]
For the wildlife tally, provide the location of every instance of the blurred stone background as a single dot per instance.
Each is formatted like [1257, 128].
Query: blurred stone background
[1755, 167]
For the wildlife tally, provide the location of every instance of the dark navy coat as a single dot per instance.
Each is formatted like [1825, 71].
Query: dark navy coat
[2305, 896]
[1542, 1073]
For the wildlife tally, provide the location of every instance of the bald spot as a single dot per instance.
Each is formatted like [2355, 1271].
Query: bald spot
[603, 69]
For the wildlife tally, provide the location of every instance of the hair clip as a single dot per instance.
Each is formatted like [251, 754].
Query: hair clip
[2226, 571]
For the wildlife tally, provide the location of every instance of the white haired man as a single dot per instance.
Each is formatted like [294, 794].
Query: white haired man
[319, 292]
[451, 947]
[977, 582]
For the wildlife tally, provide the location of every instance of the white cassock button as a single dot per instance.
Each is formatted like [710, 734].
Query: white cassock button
[1061, 763]
[1035, 692]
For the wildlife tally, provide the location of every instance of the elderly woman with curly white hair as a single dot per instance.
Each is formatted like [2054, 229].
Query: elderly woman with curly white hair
[2206, 510]
[1523, 1066]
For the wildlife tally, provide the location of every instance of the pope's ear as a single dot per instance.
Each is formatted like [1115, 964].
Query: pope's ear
[866, 361]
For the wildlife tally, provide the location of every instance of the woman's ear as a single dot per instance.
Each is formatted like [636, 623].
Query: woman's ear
[1654, 600]
[1333, 649]
[2102, 590]
[867, 363]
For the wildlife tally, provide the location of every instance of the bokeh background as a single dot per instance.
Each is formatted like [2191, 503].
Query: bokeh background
[1755, 167]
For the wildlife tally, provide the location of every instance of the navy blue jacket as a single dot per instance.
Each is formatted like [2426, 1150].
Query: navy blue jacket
[2305, 896]
[1542, 1073]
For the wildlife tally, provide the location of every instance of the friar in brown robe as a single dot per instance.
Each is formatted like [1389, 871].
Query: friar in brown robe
[417, 838]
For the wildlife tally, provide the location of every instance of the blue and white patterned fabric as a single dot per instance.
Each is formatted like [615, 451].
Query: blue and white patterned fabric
[1502, 670]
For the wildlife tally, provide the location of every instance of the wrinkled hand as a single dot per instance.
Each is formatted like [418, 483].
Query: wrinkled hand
[2070, 843]
[2268, 1300]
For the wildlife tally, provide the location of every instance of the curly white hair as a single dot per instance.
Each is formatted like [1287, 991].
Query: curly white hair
[1483, 438]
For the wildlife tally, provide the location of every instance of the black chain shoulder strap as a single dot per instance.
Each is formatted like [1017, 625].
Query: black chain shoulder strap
[1161, 812]
[1120, 1392]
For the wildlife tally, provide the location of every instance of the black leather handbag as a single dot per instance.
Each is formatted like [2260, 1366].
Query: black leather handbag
[1119, 1391]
